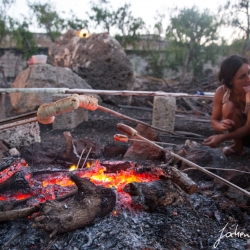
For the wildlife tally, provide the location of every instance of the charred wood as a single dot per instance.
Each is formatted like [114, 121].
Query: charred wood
[8, 161]
[17, 214]
[182, 180]
[152, 194]
[90, 203]
[16, 181]
[9, 205]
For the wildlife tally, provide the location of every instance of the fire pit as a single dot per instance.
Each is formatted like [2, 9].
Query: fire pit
[38, 210]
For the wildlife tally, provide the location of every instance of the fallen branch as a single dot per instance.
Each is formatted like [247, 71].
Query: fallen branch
[17, 214]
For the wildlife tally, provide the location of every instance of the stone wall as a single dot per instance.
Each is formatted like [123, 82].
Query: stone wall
[12, 63]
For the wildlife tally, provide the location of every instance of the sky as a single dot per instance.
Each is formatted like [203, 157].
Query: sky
[146, 9]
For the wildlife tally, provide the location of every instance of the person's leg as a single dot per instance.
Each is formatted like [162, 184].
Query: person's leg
[229, 111]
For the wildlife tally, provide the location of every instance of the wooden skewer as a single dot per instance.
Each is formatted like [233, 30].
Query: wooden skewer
[132, 119]
[80, 159]
[132, 132]
[87, 156]
[221, 169]
[122, 138]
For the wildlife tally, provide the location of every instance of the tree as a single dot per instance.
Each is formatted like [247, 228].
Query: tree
[126, 27]
[24, 39]
[75, 23]
[103, 15]
[6, 21]
[189, 32]
[48, 18]
[238, 15]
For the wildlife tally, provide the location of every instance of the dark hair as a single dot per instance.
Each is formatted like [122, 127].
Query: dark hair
[229, 67]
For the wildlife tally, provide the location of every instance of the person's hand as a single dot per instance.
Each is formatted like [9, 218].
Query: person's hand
[226, 124]
[213, 141]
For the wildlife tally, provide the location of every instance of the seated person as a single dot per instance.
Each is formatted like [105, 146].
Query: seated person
[231, 109]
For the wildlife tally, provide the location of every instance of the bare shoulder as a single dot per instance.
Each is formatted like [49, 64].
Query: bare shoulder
[219, 93]
[220, 90]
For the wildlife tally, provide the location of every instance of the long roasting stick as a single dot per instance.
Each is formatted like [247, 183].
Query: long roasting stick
[46, 113]
[133, 133]
[124, 138]
[131, 119]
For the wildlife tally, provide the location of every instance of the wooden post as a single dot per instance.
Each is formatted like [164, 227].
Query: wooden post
[2, 103]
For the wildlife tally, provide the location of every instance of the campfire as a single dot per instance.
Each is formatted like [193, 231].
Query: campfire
[68, 199]
[53, 185]
[90, 199]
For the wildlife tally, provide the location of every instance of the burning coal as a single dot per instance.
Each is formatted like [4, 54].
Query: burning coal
[51, 185]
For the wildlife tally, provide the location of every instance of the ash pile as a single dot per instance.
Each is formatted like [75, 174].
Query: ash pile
[177, 220]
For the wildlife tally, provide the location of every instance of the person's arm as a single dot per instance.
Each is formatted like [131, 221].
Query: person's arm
[216, 122]
[240, 132]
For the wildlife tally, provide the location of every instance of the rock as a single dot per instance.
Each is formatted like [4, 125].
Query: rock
[23, 135]
[142, 150]
[206, 157]
[114, 150]
[87, 143]
[42, 76]
[164, 112]
[14, 152]
[3, 150]
[98, 59]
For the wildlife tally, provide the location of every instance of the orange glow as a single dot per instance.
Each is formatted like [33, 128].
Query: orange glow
[72, 168]
[98, 177]
[59, 184]
[8, 172]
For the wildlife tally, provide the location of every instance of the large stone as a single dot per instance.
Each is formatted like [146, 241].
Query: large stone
[99, 59]
[164, 112]
[3, 150]
[141, 150]
[23, 135]
[42, 76]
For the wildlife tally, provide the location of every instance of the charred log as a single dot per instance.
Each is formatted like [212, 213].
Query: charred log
[8, 161]
[70, 150]
[9, 205]
[17, 214]
[116, 166]
[152, 194]
[89, 203]
[17, 181]
[182, 180]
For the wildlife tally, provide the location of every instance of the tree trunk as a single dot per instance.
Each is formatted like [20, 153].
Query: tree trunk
[186, 61]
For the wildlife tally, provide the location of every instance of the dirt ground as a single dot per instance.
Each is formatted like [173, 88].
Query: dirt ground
[197, 223]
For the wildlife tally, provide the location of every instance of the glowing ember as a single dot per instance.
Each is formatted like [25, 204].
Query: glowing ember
[98, 177]
[72, 168]
[60, 184]
[8, 172]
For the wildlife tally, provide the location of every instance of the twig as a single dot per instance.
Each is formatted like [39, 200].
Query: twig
[80, 158]
[15, 124]
[86, 157]
[224, 169]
